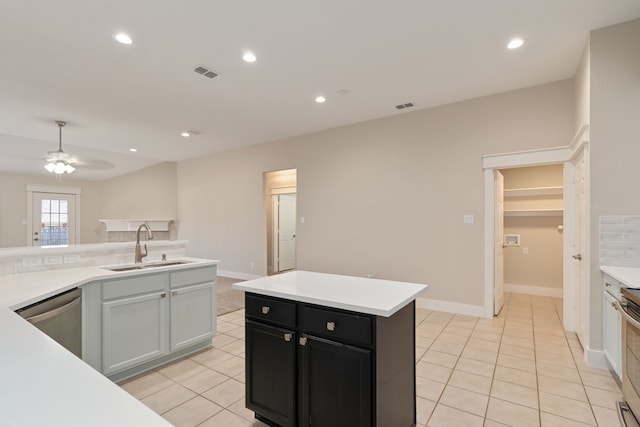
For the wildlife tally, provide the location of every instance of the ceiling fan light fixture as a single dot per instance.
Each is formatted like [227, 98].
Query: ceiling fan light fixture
[59, 162]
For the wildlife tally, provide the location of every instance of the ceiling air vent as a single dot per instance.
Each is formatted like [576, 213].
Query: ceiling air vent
[207, 72]
[407, 105]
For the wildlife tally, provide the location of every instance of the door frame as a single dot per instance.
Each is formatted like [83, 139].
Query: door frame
[39, 188]
[555, 155]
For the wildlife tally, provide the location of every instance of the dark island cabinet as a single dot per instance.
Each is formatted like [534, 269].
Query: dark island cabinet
[310, 365]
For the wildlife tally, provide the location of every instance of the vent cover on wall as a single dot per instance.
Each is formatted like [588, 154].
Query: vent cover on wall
[407, 105]
[207, 72]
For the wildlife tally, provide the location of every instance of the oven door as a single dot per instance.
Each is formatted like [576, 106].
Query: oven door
[630, 362]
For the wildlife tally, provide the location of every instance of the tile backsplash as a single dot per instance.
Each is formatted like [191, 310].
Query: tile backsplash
[620, 240]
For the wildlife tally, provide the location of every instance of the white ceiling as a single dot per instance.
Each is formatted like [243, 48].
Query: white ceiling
[59, 61]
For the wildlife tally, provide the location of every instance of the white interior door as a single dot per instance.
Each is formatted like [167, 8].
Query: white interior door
[579, 252]
[53, 219]
[286, 232]
[498, 270]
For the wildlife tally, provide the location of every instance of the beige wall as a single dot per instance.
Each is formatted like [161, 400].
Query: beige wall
[615, 141]
[148, 193]
[145, 194]
[542, 265]
[13, 207]
[385, 197]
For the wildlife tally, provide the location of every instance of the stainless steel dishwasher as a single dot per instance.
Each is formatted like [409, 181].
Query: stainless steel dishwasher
[60, 317]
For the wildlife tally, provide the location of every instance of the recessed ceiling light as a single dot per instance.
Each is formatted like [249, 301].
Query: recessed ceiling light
[186, 134]
[123, 38]
[320, 99]
[515, 43]
[133, 150]
[249, 57]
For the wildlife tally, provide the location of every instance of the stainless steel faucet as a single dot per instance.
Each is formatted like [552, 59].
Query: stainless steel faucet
[139, 254]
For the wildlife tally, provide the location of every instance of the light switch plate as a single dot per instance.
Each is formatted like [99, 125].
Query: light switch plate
[468, 219]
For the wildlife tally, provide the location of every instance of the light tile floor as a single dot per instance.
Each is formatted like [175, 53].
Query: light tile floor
[517, 369]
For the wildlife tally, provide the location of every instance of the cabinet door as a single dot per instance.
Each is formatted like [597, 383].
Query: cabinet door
[134, 330]
[270, 372]
[612, 334]
[193, 314]
[335, 384]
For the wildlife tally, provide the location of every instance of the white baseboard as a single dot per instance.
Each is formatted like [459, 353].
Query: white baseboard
[237, 275]
[450, 307]
[596, 359]
[533, 290]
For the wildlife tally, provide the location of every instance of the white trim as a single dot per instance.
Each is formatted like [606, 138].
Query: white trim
[489, 218]
[238, 275]
[41, 188]
[533, 290]
[526, 158]
[452, 307]
[596, 359]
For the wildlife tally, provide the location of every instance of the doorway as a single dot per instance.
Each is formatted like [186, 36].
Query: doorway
[533, 226]
[575, 239]
[281, 205]
[53, 216]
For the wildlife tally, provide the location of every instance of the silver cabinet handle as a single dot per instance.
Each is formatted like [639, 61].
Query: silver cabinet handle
[303, 340]
[288, 337]
[174, 293]
[607, 284]
[163, 295]
[265, 309]
[331, 326]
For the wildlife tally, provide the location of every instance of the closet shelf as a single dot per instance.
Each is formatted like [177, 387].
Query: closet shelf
[534, 212]
[534, 191]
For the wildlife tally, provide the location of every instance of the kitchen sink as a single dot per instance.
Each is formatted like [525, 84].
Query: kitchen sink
[145, 266]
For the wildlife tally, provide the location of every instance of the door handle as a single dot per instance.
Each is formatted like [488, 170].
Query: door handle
[577, 256]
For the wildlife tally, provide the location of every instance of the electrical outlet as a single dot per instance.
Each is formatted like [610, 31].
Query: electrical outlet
[70, 259]
[53, 260]
[253, 265]
[31, 261]
[525, 251]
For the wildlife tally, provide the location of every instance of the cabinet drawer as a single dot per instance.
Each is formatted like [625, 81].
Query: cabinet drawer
[337, 325]
[612, 286]
[271, 310]
[193, 276]
[133, 285]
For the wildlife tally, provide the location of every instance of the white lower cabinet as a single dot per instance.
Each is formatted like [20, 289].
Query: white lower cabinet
[193, 314]
[135, 330]
[612, 345]
[140, 321]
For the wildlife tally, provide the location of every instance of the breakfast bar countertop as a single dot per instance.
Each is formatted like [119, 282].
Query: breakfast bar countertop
[43, 384]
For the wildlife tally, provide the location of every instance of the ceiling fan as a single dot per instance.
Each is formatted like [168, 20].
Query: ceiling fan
[60, 162]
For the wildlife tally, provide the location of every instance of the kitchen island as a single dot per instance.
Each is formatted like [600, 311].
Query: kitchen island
[338, 350]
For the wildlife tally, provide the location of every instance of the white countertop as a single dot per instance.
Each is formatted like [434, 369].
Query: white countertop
[370, 296]
[43, 384]
[629, 276]
[20, 290]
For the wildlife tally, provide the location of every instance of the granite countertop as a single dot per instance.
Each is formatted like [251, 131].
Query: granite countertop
[362, 295]
[42, 382]
[629, 276]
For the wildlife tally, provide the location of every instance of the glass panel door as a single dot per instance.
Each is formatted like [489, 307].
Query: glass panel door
[53, 220]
